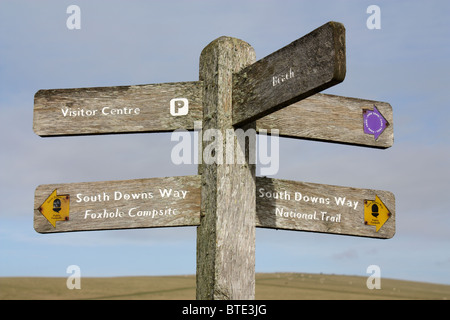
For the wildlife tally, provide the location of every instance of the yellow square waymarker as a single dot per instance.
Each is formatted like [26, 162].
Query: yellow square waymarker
[56, 208]
[375, 213]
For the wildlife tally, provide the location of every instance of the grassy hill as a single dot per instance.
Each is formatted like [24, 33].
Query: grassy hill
[270, 286]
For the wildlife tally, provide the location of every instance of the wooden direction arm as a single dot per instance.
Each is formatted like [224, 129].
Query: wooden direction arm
[306, 66]
[330, 118]
[302, 206]
[120, 109]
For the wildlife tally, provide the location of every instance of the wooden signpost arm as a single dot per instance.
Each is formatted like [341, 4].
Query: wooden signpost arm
[226, 235]
[113, 110]
[294, 205]
[330, 118]
[308, 65]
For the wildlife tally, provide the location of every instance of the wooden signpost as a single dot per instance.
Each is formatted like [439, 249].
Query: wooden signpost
[292, 205]
[330, 118]
[308, 65]
[141, 203]
[226, 201]
[108, 110]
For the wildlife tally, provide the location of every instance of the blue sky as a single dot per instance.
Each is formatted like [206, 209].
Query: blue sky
[405, 63]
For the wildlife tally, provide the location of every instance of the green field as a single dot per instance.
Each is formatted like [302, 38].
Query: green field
[269, 286]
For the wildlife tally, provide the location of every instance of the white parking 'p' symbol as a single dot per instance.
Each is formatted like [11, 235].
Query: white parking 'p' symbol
[179, 107]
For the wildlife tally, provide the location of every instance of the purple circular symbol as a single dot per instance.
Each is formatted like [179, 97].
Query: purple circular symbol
[374, 122]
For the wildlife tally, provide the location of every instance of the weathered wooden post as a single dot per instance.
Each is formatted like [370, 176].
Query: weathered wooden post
[226, 235]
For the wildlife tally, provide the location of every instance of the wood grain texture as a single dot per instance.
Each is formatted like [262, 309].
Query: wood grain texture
[119, 197]
[314, 201]
[226, 236]
[330, 118]
[304, 67]
[139, 108]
